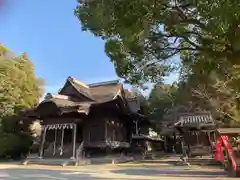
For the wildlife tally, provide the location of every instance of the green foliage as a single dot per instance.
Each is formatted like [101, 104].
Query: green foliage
[163, 98]
[142, 36]
[15, 139]
[19, 89]
[215, 90]
[167, 101]
[14, 145]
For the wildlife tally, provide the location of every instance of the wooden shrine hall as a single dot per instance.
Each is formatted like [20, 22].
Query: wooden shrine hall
[197, 131]
[83, 120]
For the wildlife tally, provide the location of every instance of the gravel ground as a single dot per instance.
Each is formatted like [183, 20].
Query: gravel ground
[146, 171]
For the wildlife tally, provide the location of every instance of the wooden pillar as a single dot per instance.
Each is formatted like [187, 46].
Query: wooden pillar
[209, 138]
[74, 140]
[184, 153]
[165, 143]
[61, 151]
[55, 142]
[106, 130]
[175, 142]
[197, 134]
[210, 142]
[42, 142]
[136, 126]
[214, 136]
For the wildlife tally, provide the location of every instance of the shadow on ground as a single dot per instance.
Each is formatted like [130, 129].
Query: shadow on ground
[171, 173]
[159, 162]
[34, 174]
[175, 173]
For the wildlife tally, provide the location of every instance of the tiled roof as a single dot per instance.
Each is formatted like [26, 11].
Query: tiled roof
[195, 119]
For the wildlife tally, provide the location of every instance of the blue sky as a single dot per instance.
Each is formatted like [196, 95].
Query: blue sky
[51, 35]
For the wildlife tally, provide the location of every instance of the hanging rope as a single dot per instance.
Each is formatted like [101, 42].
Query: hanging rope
[61, 148]
[55, 140]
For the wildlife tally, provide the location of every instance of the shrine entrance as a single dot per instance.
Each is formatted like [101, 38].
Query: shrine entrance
[197, 134]
[58, 141]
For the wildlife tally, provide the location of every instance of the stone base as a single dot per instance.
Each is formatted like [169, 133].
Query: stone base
[38, 161]
[122, 160]
[73, 162]
[198, 161]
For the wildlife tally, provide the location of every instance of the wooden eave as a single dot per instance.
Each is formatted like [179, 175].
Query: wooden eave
[64, 106]
[228, 131]
[145, 137]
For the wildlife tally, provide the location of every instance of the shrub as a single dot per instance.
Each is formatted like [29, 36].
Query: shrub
[14, 142]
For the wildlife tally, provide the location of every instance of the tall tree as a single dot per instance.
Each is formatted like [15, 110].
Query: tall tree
[142, 36]
[19, 89]
[161, 99]
[216, 90]
[18, 84]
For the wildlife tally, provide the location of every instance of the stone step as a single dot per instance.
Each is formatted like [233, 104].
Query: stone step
[56, 162]
[85, 161]
[202, 161]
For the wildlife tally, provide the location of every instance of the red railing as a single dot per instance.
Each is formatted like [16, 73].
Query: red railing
[219, 155]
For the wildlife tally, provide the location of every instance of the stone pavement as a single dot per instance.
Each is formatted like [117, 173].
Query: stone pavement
[147, 170]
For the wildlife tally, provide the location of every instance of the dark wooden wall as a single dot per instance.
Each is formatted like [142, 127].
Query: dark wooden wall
[116, 129]
[104, 128]
[192, 138]
[94, 129]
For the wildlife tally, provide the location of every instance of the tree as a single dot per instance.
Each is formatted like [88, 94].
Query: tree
[167, 101]
[19, 89]
[142, 36]
[161, 99]
[18, 85]
[217, 90]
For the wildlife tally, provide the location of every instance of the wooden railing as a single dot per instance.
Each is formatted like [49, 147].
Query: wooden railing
[229, 160]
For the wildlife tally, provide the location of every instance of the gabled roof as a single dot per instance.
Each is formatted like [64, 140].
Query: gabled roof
[105, 91]
[98, 92]
[197, 120]
[79, 86]
[76, 95]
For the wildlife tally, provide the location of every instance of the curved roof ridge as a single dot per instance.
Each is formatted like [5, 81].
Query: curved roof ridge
[103, 83]
[78, 82]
